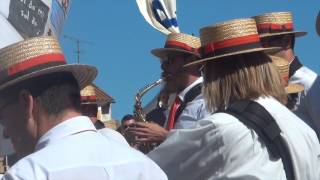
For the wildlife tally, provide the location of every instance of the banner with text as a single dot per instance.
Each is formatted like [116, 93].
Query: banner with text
[21, 19]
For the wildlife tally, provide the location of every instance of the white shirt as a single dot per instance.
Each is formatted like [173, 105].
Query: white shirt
[194, 110]
[114, 135]
[308, 105]
[73, 150]
[222, 147]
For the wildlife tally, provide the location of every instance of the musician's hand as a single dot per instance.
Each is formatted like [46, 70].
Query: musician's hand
[148, 132]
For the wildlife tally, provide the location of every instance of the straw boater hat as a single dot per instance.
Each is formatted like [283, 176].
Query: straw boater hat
[38, 56]
[88, 95]
[283, 68]
[230, 38]
[318, 24]
[276, 23]
[178, 43]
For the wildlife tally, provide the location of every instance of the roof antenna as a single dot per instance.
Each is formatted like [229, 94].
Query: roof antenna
[77, 41]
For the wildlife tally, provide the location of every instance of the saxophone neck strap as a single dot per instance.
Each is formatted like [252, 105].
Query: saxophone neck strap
[255, 116]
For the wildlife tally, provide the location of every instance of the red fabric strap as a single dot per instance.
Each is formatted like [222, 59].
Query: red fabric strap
[211, 47]
[179, 45]
[36, 61]
[273, 26]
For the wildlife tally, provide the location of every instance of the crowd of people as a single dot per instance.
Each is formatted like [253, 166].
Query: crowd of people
[237, 103]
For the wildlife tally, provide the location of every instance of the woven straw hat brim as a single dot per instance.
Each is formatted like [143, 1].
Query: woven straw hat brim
[164, 52]
[84, 74]
[296, 34]
[318, 24]
[294, 88]
[232, 54]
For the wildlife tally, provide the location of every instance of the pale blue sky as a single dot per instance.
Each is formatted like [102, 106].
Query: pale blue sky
[122, 39]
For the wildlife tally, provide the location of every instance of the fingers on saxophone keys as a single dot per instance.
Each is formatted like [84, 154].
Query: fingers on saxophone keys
[140, 124]
[135, 130]
[142, 139]
[140, 134]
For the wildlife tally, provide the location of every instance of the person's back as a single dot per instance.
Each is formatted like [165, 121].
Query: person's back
[84, 154]
[301, 140]
[306, 152]
[114, 135]
[223, 147]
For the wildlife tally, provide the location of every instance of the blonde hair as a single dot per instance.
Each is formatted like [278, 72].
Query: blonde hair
[241, 77]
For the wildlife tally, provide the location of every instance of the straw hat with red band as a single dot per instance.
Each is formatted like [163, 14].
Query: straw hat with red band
[276, 23]
[88, 95]
[38, 56]
[178, 43]
[230, 38]
[283, 68]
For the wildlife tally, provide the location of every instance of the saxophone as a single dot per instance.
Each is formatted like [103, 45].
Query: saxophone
[140, 116]
[138, 111]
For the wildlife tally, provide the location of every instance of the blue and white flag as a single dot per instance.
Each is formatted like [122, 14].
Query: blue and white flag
[160, 14]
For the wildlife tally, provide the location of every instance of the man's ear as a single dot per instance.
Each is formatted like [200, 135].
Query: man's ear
[27, 102]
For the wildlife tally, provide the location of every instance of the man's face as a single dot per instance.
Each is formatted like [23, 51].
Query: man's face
[173, 72]
[17, 127]
[283, 41]
[128, 123]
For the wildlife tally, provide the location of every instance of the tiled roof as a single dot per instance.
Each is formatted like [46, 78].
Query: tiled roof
[102, 96]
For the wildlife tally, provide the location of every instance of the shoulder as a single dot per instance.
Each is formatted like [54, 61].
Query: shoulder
[26, 168]
[197, 100]
[113, 159]
[114, 135]
[218, 126]
[218, 142]
[197, 104]
[226, 125]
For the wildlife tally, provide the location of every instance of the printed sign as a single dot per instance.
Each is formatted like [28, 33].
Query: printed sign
[29, 17]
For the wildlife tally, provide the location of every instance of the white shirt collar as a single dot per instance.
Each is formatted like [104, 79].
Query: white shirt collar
[184, 92]
[294, 57]
[71, 126]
